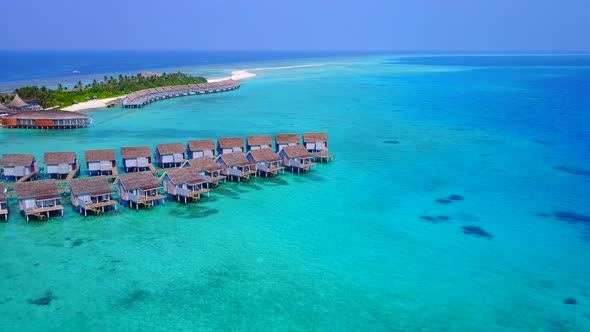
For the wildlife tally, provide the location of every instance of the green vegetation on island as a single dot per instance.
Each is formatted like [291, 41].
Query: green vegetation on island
[109, 87]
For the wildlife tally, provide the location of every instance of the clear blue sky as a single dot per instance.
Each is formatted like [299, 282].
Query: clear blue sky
[400, 25]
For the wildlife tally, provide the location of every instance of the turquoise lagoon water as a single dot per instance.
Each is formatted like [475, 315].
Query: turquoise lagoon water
[346, 247]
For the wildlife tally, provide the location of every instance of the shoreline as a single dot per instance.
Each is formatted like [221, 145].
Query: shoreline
[237, 75]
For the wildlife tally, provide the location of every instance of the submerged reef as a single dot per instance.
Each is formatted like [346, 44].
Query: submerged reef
[476, 231]
[44, 300]
[571, 217]
[573, 170]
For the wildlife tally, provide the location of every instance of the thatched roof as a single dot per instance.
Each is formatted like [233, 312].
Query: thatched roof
[50, 158]
[99, 155]
[204, 164]
[186, 175]
[234, 158]
[296, 151]
[141, 180]
[17, 102]
[170, 148]
[17, 159]
[315, 137]
[128, 152]
[201, 144]
[47, 115]
[259, 140]
[266, 154]
[230, 142]
[39, 190]
[2, 193]
[287, 138]
[96, 185]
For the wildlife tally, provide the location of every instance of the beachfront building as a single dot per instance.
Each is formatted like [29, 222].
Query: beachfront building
[230, 144]
[101, 162]
[170, 154]
[38, 198]
[93, 194]
[141, 188]
[235, 166]
[136, 158]
[282, 140]
[259, 142]
[3, 203]
[17, 104]
[207, 169]
[201, 148]
[184, 184]
[61, 164]
[296, 158]
[46, 119]
[266, 160]
[17, 166]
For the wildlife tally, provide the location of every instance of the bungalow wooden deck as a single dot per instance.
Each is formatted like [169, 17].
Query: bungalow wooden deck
[184, 184]
[38, 198]
[93, 194]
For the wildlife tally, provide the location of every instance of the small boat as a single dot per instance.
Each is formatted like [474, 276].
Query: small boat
[75, 72]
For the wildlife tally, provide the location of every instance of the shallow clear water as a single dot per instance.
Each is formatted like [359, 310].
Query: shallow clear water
[344, 247]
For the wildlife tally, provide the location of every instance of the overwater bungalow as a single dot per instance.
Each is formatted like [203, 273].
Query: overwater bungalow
[17, 166]
[282, 140]
[235, 166]
[317, 145]
[266, 160]
[230, 144]
[296, 158]
[259, 142]
[207, 169]
[61, 164]
[101, 162]
[38, 198]
[170, 154]
[3, 203]
[315, 142]
[141, 188]
[201, 148]
[143, 97]
[136, 158]
[184, 183]
[93, 194]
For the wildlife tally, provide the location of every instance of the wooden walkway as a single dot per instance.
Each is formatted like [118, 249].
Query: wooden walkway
[72, 174]
[26, 177]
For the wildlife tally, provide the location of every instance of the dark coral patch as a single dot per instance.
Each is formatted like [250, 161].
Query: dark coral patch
[391, 142]
[543, 214]
[570, 300]
[443, 201]
[456, 197]
[573, 170]
[77, 243]
[476, 231]
[429, 218]
[571, 217]
[44, 300]
[442, 217]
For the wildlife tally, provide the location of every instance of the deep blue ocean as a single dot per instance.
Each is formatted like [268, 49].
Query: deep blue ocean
[458, 200]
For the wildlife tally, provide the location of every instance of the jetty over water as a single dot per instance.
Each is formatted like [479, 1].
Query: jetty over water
[143, 97]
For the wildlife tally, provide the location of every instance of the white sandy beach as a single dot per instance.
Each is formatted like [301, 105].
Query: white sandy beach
[235, 75]
[97, 103]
